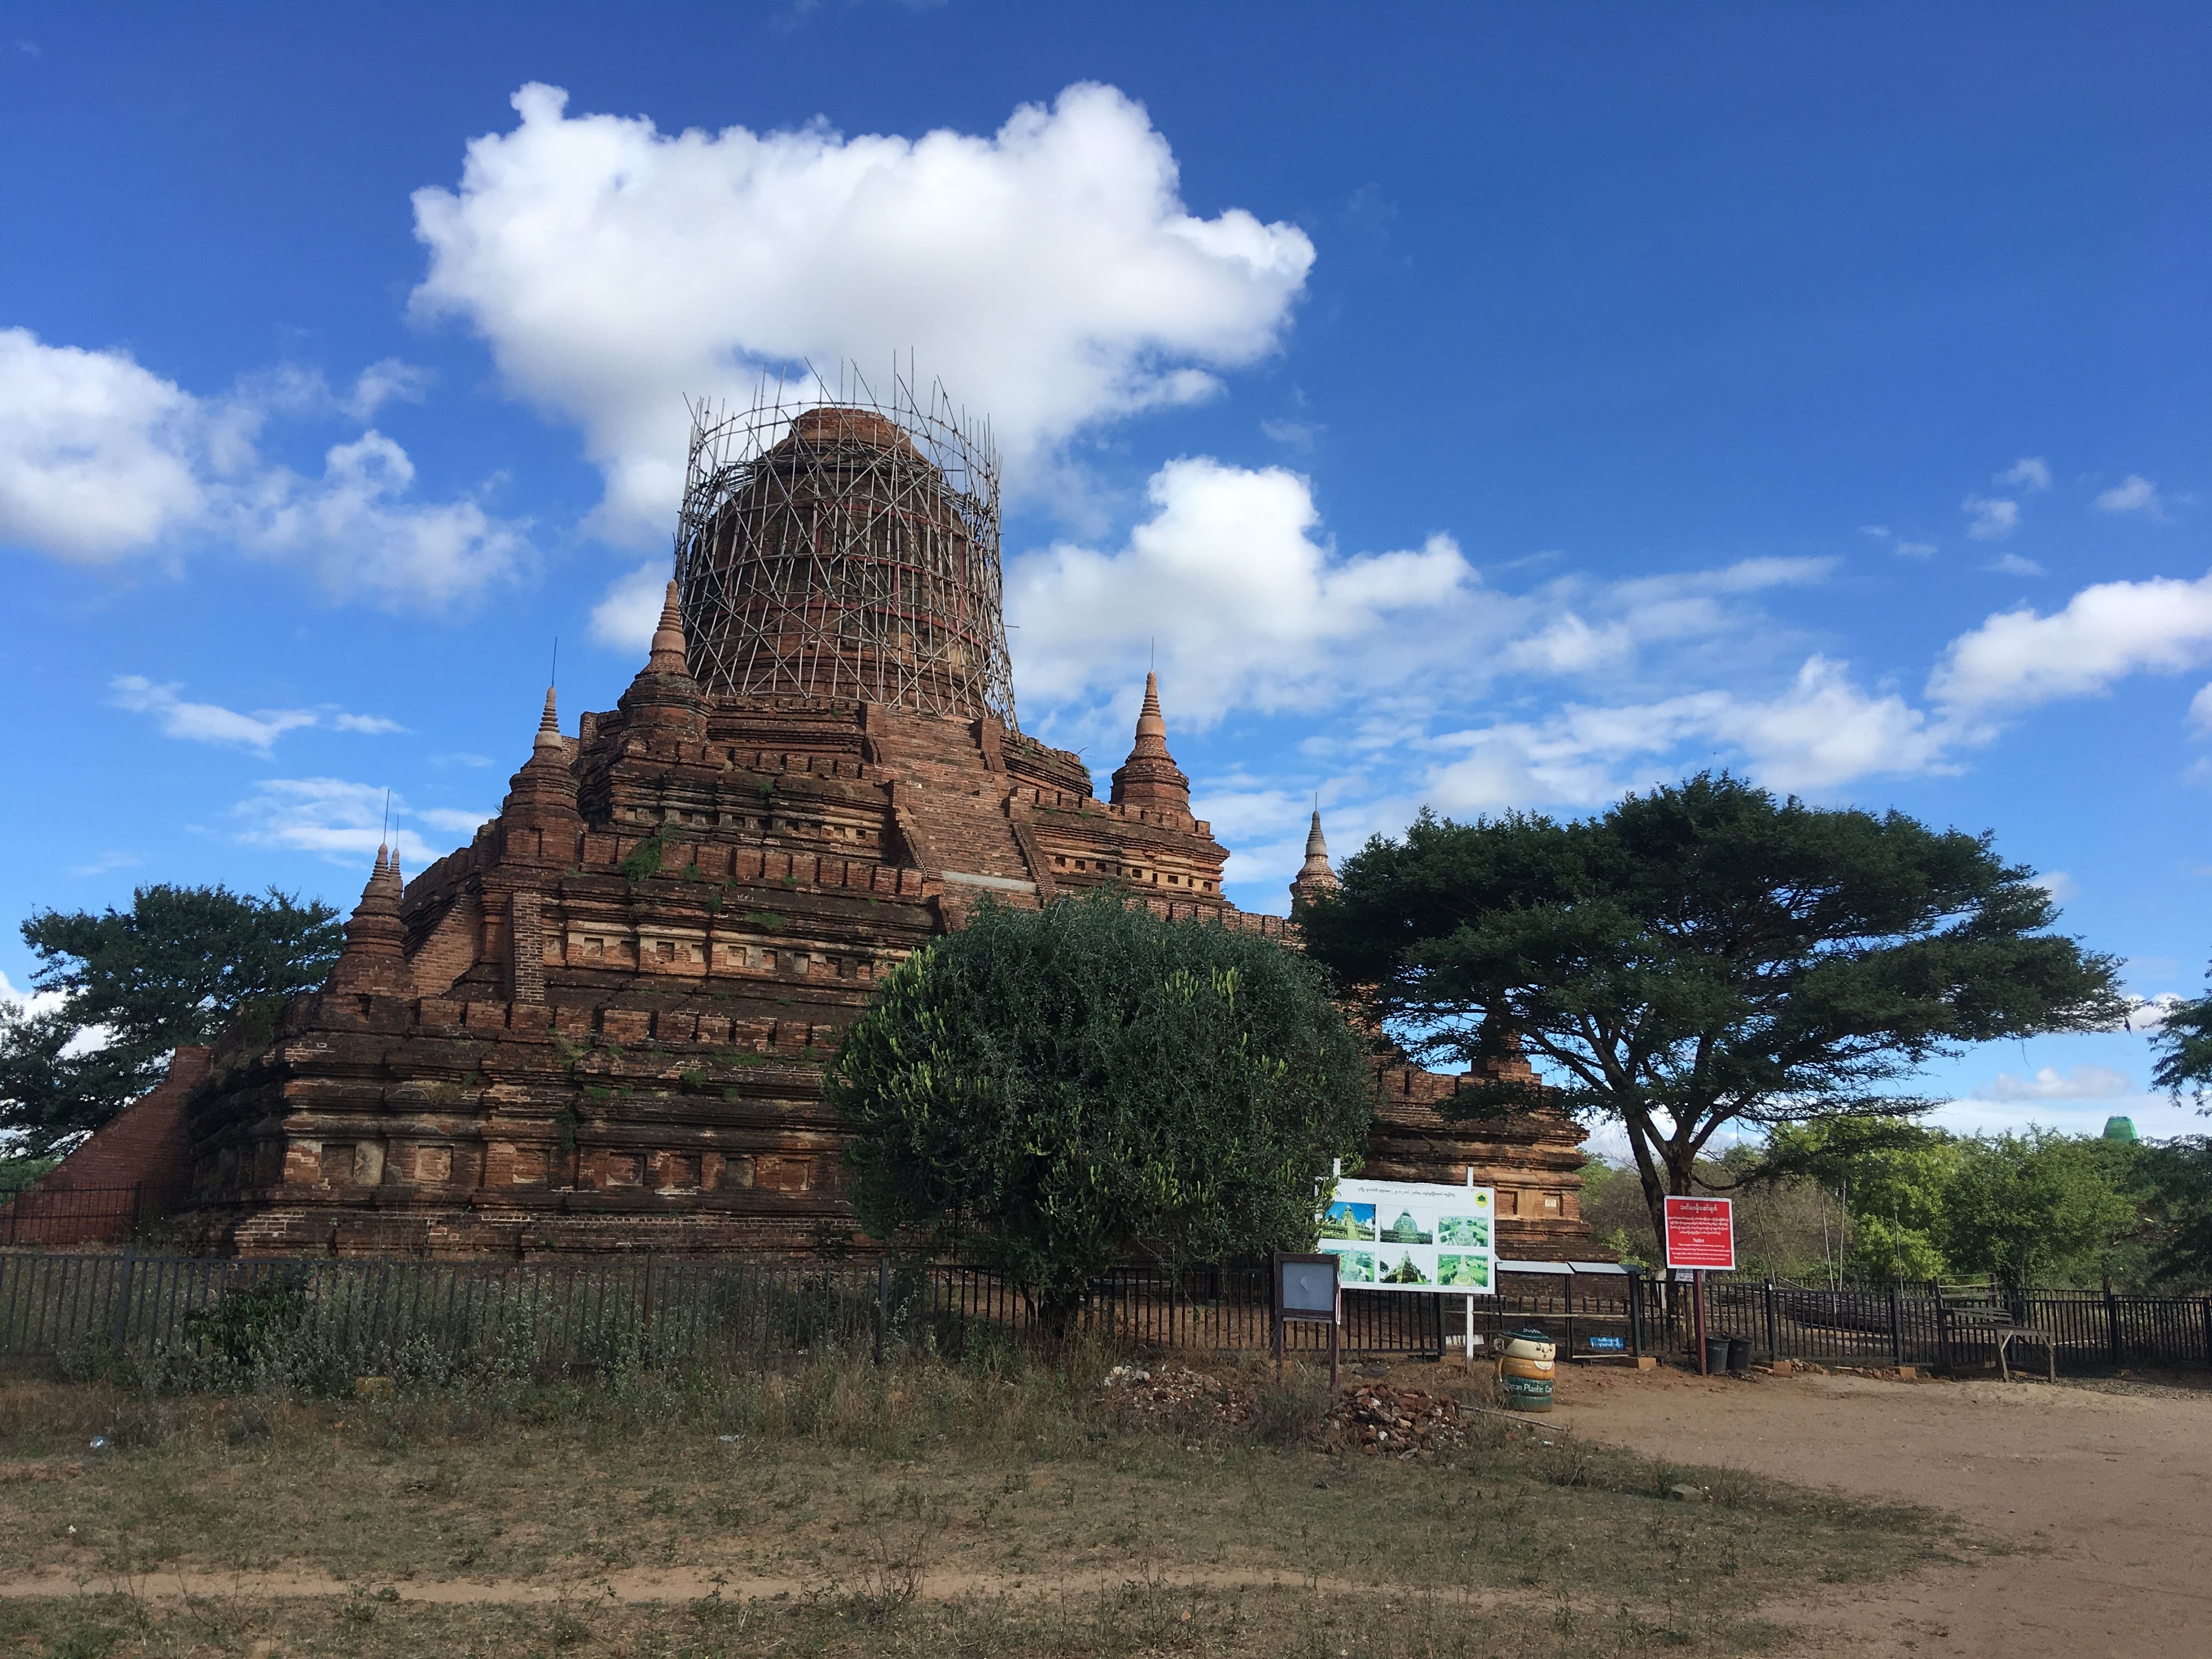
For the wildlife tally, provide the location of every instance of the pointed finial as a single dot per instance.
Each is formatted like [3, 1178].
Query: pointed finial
[667, 656]
[547, 739]
[1150, 723]
[375, 947]
[1149, 776]
[1315, 876]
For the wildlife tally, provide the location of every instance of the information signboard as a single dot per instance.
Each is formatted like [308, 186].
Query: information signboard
[1411, 1236]
[1701, 1234]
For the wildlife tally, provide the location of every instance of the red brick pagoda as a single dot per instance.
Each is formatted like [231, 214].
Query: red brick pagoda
[601, 1026]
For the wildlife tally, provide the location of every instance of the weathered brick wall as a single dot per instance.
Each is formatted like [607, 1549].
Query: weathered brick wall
[147, 1146]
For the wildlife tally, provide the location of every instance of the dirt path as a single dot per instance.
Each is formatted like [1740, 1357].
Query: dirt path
[690, 1584]
[2105, 1499]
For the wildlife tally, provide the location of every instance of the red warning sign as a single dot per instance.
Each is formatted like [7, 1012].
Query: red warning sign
[1701, 1234]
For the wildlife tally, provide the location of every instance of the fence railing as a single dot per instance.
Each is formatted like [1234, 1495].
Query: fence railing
[379, 1316]
[374, 1317]
[1914, 1324]
[82, 1215]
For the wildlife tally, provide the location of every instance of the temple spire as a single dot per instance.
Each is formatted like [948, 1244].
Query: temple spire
[549, 730]
[664, 697]
[1314, 878]
[1150, 777]
[543, 794]
[668, 654]
[375, 955]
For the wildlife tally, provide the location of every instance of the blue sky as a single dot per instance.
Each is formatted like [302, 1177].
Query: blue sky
[1489, 407]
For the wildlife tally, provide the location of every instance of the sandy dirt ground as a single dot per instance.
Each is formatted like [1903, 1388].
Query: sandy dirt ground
[2095, 1499]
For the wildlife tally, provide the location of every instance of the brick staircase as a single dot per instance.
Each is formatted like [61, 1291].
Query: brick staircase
[950, 809]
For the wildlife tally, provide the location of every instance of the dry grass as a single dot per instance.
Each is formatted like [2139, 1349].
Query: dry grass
[998, 1505]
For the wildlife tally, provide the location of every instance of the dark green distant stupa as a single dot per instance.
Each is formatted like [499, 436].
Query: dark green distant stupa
[2120, 1128]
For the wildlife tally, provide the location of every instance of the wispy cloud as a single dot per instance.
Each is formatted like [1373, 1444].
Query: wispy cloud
[1991, 520]
[2011, 564]
[209, 722]
[2029, 472]
[2133, 494]
[2079, 1082]
[104, 862]
[344, 821]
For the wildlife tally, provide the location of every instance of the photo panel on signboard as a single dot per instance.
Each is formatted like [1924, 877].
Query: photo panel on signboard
[1353, 1267]
[1409, 1265]
[1349, 1221]
[1467, 1232]
[1460, 1270]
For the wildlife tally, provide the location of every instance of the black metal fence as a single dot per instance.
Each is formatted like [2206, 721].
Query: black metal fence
[1925, 1324]
[381, 1316]
[377, 1317]
[82, 1215]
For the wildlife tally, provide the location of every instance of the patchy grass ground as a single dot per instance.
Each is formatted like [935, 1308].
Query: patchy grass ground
[922, 1508]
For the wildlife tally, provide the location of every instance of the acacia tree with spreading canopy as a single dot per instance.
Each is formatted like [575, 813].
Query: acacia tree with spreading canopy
[1702, 956]
[1058, 1092]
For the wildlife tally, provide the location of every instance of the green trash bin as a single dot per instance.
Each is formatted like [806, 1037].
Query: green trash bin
[1525, 1359]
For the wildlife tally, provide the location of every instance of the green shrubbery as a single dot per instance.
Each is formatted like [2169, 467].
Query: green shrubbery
[1875, 1198]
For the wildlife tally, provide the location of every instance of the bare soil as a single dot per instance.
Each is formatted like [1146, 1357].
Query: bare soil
[2093, 1501]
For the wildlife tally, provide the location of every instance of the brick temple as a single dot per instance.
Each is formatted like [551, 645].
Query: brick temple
[601, 1025]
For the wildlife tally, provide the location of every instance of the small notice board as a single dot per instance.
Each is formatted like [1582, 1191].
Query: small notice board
[1701, 1234]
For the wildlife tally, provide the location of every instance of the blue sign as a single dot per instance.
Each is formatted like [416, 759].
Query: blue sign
[1608, 1344]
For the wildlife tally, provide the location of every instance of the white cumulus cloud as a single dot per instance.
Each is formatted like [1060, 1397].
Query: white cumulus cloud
[1820, 731]
[1249, 605]
[626, 617]
[1052, 268]
[2029, 472]
[98, 458]
[103, 460]
[2019, 659]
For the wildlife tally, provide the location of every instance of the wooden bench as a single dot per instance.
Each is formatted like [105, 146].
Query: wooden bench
[1999, 1324]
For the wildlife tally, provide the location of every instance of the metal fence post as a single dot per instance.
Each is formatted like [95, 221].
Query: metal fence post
[122, 1299]
[1896, 1326]
[883, 1303]
[2112, 1324]
[1636, 1318]
[1773, 1351]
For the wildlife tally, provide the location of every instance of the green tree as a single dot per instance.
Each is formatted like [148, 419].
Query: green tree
[2033, 1208]
[1891, 1176]
[1058, 1091]
[2178, 1174]
[178, 967]
[1701, 956]
[2182, 1046]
